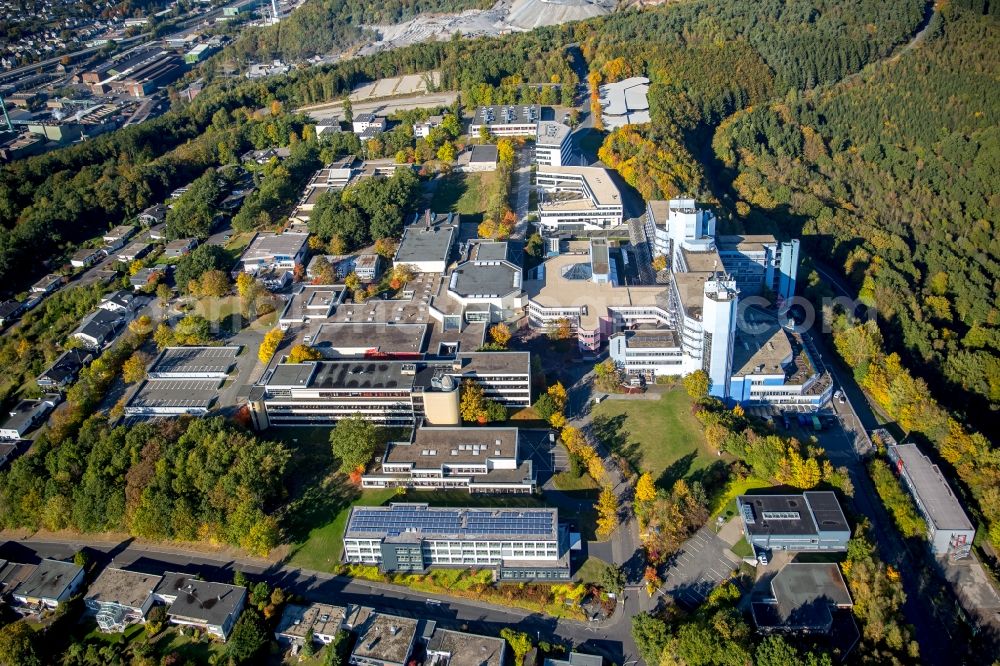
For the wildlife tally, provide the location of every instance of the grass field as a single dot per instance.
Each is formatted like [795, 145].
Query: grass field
[464, 193]
[566, 481]
[591, 570]
[661, 437]
[324, 543]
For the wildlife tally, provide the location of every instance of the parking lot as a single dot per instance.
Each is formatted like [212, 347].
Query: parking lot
[697, 568]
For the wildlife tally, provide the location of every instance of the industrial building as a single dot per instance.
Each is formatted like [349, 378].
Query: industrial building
[182, 380]
[521, 120]
[949, 531]
[577, 199]
[518, 544]
[480, 460]
[811, 521]
[389, 391]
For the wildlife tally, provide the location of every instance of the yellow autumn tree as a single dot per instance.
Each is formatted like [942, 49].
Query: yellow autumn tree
[269, 345]
[500, 334]
[558, 394]
[607, 512]
[645, 491]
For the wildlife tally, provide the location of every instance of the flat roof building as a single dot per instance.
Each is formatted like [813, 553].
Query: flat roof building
[480, 460]
[120, 598]
[625, 102]
[806, 522]
[279, 250]
[47, 284]
[427, 241]
[804, 599]
[391, 391]
[573, 198]
[323, 620]
[553, 147]
[516, 543]
[174, 397]
[382, 640]
[949, 530]
[515, 120]
[311, 303]
[194, 363]
[457, 648]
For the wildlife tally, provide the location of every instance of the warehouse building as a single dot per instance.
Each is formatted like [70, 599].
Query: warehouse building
[949, 530]
[523, 544]
[806, 522]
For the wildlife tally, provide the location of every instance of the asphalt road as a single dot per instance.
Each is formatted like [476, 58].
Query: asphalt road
[612, 639]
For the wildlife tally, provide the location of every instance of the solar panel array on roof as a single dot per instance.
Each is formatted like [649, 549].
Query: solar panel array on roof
[398, 520]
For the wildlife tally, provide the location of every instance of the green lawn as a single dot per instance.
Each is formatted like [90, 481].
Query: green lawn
[324, 543]
[724, 504]
[661, 437]
[465, 193]
[464, 498]
[566, 481]
[591, 570]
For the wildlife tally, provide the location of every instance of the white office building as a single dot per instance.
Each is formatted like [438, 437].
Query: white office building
[577, 199]
[507, 120]
[519, 544]
[553, 147]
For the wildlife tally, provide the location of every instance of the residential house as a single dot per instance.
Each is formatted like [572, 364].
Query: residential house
[100, 327]
[85, 257]
[179, 247]
[52, 582]
[457, 648]
[136, 250]
[153, 215]
[13, 574]
[146, 276]
[120, 598]
[382, 640]
[212, 607]
[25, 416]
[10, 311]
[65, 370]
[8, 451]
[323, 620]
[117, 237]
[47, 284]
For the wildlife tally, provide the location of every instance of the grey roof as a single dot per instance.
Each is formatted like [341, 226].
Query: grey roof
[10, 308]
[204, 601]
[46, 282]
[383, 638]
[485, 279]
[265, 246]
[388, 337]
[464, 649]
[431, 447]
[102, 325]
[174, 394]
[576, 659]
[120, 586]
[322, 619]
[521, 114]
[67, 366]
[513, 363]
[810, 513]
[175, 360]
[932, 489]
[488, 154]
[13, 574]
[804, 597]
[551, 133]
[24, 414]
[49, 580]
[427, 242]
[424, 522]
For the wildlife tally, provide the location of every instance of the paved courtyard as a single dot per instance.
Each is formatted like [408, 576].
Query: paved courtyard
[702, 563]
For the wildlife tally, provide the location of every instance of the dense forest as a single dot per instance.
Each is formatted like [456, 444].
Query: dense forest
[320, 27]
[892, 175]
[186, 479]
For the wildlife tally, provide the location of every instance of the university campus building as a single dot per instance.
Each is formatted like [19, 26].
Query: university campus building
[522, 544]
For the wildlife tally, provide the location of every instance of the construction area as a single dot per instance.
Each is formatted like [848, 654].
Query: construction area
[503, 17]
